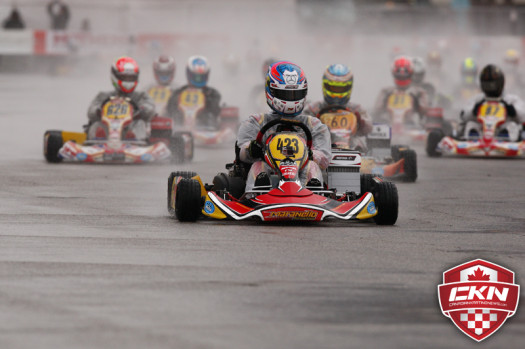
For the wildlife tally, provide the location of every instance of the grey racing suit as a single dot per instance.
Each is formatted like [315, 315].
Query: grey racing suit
[515, 112]
[142, 116]
[320, 146]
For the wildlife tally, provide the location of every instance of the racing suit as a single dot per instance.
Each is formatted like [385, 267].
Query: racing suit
[419, 96]
[321, 150]
[364, 122]
[143, 113]
[209, 116]
[515, 112]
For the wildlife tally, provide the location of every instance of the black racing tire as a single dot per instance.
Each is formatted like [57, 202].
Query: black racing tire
[188, 203]
[233, 185]
[171, 180]
[387, 203]
[410, 165]
[53, 141]
[433, 139]
[396, 150]
[367, 182]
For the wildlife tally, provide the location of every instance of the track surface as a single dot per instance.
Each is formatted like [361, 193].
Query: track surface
[89, 257]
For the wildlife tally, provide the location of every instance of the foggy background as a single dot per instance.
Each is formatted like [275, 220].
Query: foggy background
[238, 35]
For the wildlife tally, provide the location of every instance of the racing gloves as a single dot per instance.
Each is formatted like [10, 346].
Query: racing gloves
[255, 150]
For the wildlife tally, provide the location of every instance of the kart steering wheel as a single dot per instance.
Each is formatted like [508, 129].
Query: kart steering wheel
[286, 122]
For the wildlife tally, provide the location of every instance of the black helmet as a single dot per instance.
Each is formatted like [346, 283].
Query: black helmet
[492, 81]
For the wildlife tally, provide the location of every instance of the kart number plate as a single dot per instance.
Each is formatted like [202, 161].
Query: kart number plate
[160, 95]
[400, 101]
[380, 132]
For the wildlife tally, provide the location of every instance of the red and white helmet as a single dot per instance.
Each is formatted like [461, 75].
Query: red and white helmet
[164, 69]
[402, 72]
[125, 74]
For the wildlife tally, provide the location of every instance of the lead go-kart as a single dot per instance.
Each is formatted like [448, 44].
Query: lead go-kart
[117, 115]
[393, 162]
[491, 135]
[349, 195]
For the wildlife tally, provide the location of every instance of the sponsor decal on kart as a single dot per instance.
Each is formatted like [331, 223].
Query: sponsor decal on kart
[292, 214]
[371, 207]
[478, 296]
[209, 207]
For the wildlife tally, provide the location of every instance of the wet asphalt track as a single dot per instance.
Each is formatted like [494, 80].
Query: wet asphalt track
[90, 259]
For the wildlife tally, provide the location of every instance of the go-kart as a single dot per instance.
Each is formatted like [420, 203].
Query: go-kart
[116, 116]
[191, 103]
[349, 195]
[397, 162]
[492, 135]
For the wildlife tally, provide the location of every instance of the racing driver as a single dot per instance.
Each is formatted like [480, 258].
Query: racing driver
[124, 76]
[492, 81]
[338, 81]
[286, 89]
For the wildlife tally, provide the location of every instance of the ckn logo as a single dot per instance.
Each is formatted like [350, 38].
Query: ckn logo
[478, 296]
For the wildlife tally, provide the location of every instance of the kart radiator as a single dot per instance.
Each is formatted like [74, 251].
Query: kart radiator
[343, 171]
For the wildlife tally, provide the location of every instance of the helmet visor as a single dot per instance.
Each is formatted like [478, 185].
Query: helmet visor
[125, 76]
[342, 88]
[288, 95]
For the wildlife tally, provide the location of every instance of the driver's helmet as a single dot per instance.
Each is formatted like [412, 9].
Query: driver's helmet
[266, 65]
[402, 72]
[286, 88]
[512, 57]
[125, 74]
[337, 84]
[469, 71]
[418, 65]
[197, 71]
[164, 69]
[434, 60]
[492, 81]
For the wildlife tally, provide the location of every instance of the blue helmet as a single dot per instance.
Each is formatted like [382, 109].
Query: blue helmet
[286, 88]
[197, 71]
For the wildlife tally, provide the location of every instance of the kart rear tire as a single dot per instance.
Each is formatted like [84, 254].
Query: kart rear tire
[188, 202]
[173, 178]
[410, 165]
[53, 141]
[233, 185]
[396, 151]
[387, 203]
[433, 139]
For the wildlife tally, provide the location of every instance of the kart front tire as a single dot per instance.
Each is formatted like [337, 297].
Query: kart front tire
[367, 182]
[433, 139]
[53, 141]
[174, 179]
[387, 203]
[410, 165]
[188, 203]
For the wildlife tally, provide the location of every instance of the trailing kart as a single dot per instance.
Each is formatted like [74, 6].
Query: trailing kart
[349, 196]
[116, 116]
[492, 135]
[191, 102]
[397, 162]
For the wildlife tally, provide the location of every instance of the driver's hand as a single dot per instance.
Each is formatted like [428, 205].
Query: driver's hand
[255, 150]
[310, 154]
